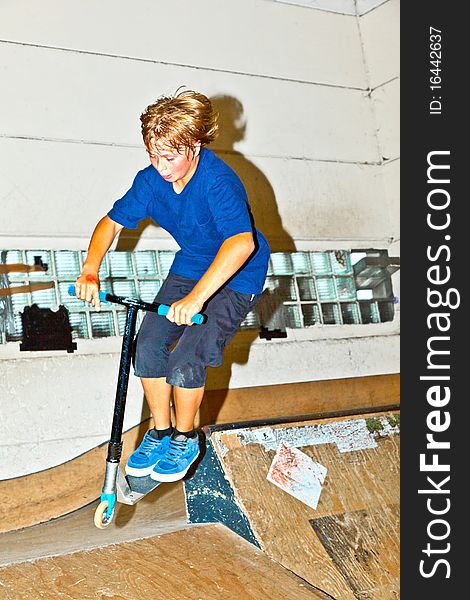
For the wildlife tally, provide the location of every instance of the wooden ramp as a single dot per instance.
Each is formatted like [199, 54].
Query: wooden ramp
[206, 563]
[161, 512]
[70, 486]
[348, 545]
[345, 548]
[54, 492]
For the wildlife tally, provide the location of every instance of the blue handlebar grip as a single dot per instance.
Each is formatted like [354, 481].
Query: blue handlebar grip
[164, 308]
[103, 295]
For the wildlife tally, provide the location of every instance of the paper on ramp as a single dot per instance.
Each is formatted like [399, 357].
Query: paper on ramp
[297, 474]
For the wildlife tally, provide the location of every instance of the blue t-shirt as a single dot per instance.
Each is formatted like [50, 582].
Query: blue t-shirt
[212, 207]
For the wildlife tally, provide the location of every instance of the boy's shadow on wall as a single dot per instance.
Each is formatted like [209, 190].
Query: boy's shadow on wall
[232, 128]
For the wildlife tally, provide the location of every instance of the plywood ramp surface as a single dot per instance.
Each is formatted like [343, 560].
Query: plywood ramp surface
[163, 511]
[49, 494]
[206, 563]
[348, 545]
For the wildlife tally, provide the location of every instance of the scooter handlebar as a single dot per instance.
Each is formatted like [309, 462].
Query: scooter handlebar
[103, 295]
[198, 319]
[163, 309]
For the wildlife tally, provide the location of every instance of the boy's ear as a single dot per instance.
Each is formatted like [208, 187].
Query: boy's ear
[197, 148]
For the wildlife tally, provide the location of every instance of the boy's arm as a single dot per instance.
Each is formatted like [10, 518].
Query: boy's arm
[233, 254]
[87, 285]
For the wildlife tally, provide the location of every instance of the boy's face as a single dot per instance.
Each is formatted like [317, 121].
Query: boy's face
[172, 165]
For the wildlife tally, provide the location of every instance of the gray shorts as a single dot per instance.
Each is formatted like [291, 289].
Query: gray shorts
[199, 346]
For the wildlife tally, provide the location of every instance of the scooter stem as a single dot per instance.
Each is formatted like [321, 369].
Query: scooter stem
[115, 442]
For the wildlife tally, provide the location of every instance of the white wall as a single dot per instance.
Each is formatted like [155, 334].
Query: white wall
[318, 89]
[379, 34]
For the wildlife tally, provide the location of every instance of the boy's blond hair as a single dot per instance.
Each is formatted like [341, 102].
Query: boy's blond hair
[179, 121]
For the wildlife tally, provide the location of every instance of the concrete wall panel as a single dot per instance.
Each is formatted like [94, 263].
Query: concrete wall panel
[291, 199]
[314, 200]
[364, 6]
[249, 36]
[345, 7]
[391, 179]
[54, 94]
[58, 408]
[380, 36]
[386, 101]
[60, 189]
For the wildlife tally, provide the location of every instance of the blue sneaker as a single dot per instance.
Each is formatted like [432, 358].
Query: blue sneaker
[181, 454]
[151, 450]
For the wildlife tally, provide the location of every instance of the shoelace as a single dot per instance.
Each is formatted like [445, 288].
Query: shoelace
[175, 450]
[149, 443]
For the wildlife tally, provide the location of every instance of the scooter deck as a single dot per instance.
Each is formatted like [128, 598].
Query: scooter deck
[142, 485]
[132, 489]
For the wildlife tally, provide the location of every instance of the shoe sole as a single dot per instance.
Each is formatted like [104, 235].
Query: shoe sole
[135, 472]
[170, 477]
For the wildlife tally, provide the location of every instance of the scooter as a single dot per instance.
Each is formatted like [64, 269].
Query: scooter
[117, 486]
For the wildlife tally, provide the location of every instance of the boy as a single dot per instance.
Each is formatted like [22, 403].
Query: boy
[219, 270]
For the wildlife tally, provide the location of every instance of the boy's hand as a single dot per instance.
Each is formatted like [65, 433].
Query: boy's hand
[87, 287]
[183, 311]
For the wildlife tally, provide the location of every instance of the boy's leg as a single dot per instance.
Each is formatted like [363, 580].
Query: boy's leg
[154, 340]
[158, 393]
[187, 403]
[200, 346]
[156, 441]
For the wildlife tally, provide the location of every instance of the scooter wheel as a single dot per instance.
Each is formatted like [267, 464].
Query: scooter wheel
[102, 520]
